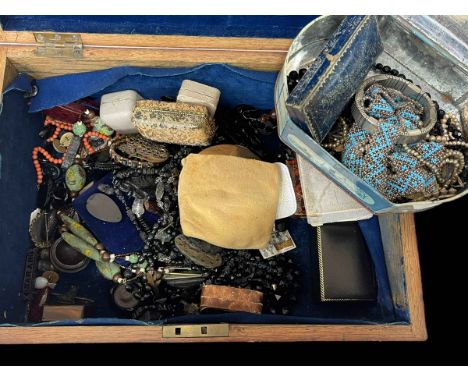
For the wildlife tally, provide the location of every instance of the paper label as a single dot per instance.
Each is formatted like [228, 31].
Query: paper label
[280, 242]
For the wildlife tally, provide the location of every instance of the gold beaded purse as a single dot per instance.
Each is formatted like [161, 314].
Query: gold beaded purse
[174, 122]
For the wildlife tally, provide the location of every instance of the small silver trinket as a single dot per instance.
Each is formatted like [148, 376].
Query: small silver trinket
[159, 191]
[138, 207]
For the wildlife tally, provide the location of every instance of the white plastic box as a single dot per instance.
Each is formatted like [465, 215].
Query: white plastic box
[197, 93]
[117, 108]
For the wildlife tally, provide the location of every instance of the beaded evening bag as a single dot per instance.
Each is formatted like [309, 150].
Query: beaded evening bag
[400, 171]
[174, 122]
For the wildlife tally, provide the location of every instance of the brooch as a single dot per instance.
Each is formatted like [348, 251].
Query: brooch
[137, 152]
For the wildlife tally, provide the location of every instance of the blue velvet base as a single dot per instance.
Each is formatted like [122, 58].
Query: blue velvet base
[17, 195]
[221, 26]
[119, 238]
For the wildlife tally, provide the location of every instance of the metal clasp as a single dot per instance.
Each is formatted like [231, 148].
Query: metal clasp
[195, 331]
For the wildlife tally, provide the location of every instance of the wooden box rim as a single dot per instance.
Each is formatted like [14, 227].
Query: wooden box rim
[101, 51]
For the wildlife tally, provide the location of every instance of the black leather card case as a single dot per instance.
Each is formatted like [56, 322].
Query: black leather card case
[346, 268]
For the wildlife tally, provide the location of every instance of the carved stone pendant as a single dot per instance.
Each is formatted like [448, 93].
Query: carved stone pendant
[75, 178]
[199, 251]
[103, 208]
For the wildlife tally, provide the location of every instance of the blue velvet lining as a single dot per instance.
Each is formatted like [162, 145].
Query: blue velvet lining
[17, 199]
[237, 86]
[222, 26]
[121, 237]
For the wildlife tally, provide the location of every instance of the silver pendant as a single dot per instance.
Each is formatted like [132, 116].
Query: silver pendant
[159, 191]
[103, 208]
[138, 207]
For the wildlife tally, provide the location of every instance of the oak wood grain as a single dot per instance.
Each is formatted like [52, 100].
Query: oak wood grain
[237, 333]
[106, 51]
[118, 41]
[402, 260]
[394, 258]
[413, 275]
[7, 71]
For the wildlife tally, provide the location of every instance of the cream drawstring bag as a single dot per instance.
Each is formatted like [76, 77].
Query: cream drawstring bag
[228, 201]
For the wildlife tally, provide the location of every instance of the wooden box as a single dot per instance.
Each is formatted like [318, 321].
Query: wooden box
[43, 55]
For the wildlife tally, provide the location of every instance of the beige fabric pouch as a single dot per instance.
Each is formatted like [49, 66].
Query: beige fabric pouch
[228, 201]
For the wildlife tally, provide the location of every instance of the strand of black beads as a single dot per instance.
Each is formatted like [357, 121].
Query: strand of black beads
[388, 70]
[294, 77]
[276, 278]
[159, 247]
[104, 166]
[121, 188]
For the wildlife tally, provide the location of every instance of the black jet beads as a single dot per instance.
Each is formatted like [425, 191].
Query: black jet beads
[294, 77]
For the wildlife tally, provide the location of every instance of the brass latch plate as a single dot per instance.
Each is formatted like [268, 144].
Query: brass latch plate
[59, 45]
[195, 331]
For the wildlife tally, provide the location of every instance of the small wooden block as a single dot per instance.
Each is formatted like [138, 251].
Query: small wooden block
[62, 312]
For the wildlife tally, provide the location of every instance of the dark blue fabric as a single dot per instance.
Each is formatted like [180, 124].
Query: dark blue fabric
[18, 136]
[371, 231]
[222, 26]
[118, 238]
[22, 83]
[237, 86]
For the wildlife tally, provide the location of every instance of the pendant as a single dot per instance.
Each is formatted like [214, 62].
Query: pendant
[159, 193]
[75, 178]
[72, 152]
[57, 145]
[138, 207]
[42, 227]
[66, 139]
[102, 207]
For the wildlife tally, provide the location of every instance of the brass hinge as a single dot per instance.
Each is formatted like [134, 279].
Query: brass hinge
[195, 331]
[59, 45]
